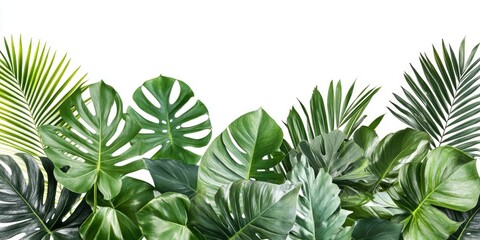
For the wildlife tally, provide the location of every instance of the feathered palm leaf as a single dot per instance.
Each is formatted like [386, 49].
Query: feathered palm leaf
[443, 99]
[34, 82]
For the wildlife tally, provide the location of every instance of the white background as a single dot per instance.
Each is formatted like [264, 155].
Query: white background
[241, 55]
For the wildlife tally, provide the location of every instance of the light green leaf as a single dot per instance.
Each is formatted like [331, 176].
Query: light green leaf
[173, 176]
[247, 210]
[34, 82]
[166, 217]
[173, 123]
[247, 149]
[318, 210]
[85, 153]
[447, 178]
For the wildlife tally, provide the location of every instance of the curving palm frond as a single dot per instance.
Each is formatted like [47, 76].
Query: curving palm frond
[327, 115]
[34, 82]
[443, 99]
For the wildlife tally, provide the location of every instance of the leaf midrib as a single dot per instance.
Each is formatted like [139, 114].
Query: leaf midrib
[32, 210]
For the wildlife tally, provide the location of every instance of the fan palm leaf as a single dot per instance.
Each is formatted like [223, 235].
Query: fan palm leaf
[34, 82]
[443, 99]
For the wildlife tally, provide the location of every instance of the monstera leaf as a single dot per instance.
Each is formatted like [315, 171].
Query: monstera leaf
[173, 124]
[166, 217]
[121, 209]
[447, 178]
[25, 208]
[34, 82]
[443, 100]
[342, 159]
[173, 176]
[85, 153]
[334, 113]
[318, 210]
[248, 149]
[394, 150]
[248, 210]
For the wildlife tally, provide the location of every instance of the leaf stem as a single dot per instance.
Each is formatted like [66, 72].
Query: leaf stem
[95, 197]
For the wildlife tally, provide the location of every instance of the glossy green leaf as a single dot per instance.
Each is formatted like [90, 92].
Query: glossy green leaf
[109, 224]
[336, 112]
[396, 149]
[381, 205]
[247, 149]
[34, 82]
[376, 229]
[318, 210]
[173, 125]
[133, 196]
[27, 208]
[247, 210]
[443, 99]
[85, 153]
[173, 176]
[447, 178]
[340, 158]
[166, 217]
[470, 228]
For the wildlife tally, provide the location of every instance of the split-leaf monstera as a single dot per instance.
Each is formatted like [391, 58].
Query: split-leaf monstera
[172, 129]
[248, 149]
[85, 152]
[23, 209]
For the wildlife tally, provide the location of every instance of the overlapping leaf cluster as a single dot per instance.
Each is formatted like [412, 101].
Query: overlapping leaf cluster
[337, 179]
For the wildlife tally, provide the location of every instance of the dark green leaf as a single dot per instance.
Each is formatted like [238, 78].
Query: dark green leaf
[470, 228]
[173, 176]
[373, 228]
[26, 208]
[109, 224]
[173, 123]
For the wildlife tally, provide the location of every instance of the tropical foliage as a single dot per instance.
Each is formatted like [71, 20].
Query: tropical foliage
[340, 180]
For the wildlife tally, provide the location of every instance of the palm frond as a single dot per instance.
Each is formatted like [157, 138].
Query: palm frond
[34, 82]
[443, 99]
[334, 113]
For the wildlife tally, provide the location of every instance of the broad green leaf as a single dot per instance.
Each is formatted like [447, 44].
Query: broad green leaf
[85, 153]
[447, 178]
[247, 149]
[166, 217]
[340, 158]
[318, 210]
[27, 208]
[34, 82]
[109, 224]
[443, 99]
[247, 210]
[470, 228]
[394, 150]
[173, 176]
[380, 206]
[174, 124]
[367, 139]
[133, 196]
[376, 229]
[336, 112]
